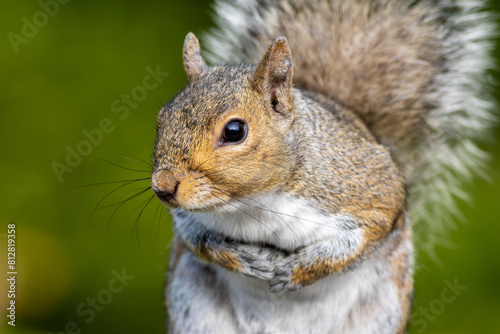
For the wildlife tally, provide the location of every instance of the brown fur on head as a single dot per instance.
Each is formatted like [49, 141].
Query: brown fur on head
[196, 168]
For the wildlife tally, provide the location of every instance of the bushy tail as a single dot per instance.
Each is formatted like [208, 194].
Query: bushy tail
[412, 70]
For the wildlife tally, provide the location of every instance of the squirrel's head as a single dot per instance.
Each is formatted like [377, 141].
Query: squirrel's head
[225, 136]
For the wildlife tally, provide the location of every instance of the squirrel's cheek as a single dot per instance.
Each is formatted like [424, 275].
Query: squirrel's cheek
[196, 192]
[190, 191]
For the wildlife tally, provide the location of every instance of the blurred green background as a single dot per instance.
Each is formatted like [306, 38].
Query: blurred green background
[81, 74]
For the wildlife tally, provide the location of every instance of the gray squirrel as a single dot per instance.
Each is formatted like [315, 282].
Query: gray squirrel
[294, 183]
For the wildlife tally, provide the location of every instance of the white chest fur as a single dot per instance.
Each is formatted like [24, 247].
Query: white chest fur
[362, 300]
[351, 303]
[280, 220]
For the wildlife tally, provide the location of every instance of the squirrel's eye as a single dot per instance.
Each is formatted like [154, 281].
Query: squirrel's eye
[234, 132]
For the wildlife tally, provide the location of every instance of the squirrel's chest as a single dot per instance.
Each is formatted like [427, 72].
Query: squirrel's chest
[214, 297]
[284, 221]
[335, 304]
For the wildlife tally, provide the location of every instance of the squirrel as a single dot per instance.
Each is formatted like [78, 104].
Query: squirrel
[296, 168]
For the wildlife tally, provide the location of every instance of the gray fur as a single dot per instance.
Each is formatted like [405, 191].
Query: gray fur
[439, 107]
[302, 228]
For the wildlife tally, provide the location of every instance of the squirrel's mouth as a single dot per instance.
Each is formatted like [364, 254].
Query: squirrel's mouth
[189, 191]
[209, 205]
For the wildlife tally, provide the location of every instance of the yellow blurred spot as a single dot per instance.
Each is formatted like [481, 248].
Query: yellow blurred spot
[44, 274]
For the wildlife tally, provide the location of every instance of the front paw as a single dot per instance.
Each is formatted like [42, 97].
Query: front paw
[284, 280]
[253, 261]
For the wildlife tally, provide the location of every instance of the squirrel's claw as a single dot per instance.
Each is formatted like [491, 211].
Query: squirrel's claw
[282, 282]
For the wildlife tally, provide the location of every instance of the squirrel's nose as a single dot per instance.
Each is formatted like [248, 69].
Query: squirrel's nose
[164, 185]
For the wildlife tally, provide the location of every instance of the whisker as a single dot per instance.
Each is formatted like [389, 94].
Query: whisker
[149, 120]
[159, 209]
[97, 206]
[216, 173]
[116, 165]
[102, 183]
[296, 217]
[205, 161]
[273, 164]
[120, 204]
[136, 160]
[266, 209]
[136, 224]
[248, 214]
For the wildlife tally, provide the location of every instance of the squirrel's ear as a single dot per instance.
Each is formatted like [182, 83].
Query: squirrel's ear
[273, 75]
[194, 64]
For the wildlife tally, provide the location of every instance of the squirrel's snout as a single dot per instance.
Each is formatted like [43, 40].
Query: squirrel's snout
[164, 184]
